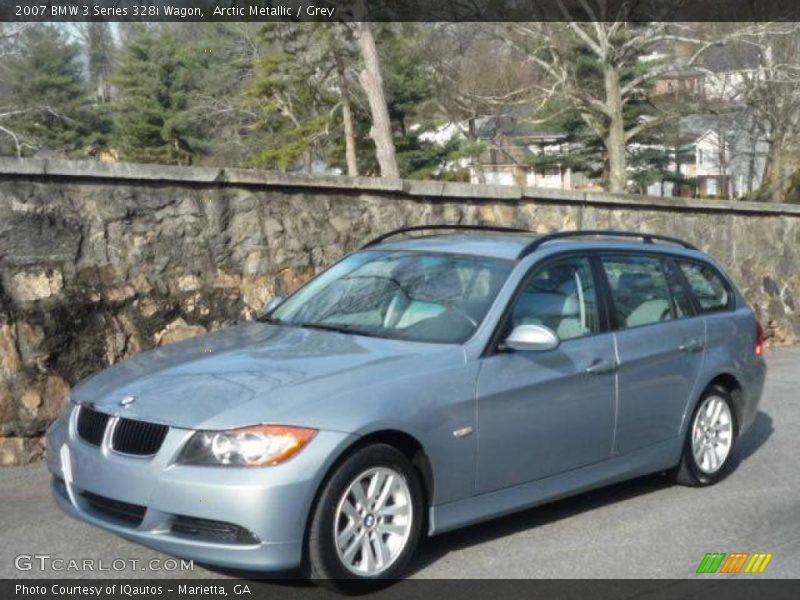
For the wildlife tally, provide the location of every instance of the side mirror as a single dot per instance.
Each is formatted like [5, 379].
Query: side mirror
[532, 338]
[273, 304]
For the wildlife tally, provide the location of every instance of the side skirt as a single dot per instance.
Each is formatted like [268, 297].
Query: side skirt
[490, 505]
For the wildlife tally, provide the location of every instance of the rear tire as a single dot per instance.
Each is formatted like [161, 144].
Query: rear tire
[367, 521]
[710, 440]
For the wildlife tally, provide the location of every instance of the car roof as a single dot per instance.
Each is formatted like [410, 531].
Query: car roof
[509, 246]
[492, 245]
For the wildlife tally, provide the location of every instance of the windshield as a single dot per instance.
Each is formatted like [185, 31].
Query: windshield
[439, 298]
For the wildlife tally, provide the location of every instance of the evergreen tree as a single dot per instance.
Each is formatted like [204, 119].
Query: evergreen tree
[304, 93]
[294, 110]
[419, 159]
[220, 99]
[43, 84]
[409, 78]
[410, 91]
[154, 79]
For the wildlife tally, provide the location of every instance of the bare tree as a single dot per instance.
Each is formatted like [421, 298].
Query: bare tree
[770, 71]
[99, 43]
[476, 76]
[599, 66]
[9, 36]
[347, 116]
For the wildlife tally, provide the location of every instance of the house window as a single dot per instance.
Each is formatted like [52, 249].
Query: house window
[712, 186]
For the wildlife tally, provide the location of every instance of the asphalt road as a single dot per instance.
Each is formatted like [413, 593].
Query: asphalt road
[640, 529]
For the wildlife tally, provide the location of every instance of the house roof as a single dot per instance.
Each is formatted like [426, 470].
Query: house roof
[698, 125]
[729, 57]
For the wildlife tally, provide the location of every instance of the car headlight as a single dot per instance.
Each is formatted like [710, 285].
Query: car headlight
[257, 446]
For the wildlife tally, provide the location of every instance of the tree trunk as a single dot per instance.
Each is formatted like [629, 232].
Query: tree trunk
[615, 137]
[472, 137]
[774, 183]
[347, 117]
[752, 146]
[372, 82]
[99, 45]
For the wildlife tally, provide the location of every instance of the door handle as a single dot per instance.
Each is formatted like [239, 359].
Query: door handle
[694, 345]
[601, 366]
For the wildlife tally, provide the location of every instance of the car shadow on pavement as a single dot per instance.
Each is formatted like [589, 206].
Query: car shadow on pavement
[755, 437]
[433, 549]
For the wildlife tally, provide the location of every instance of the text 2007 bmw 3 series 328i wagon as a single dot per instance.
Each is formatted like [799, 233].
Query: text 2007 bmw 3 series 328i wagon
[422, 383]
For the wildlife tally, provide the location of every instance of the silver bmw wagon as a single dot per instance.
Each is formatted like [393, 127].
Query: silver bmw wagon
[423, 383]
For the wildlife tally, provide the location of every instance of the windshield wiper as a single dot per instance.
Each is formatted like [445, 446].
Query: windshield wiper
[336, 328]
[270, 320]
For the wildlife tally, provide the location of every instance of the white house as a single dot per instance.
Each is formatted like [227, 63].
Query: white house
[513, 152]
[723, 156]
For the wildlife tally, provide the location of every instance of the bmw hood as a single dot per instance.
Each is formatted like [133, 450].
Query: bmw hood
[252, 373]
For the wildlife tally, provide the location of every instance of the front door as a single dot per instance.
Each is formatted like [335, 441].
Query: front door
[543, 413]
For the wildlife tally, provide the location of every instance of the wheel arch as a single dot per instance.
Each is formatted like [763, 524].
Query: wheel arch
[410, 446]
[730, 383]
[403, 441]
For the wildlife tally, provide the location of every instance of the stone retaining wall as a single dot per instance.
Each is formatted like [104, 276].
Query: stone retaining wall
[99, 262]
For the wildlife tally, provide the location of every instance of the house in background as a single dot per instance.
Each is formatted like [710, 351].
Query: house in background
[519, 153]
[681, 83]
[720, 75]
[515, 152]
[720, 155]
[700, 84]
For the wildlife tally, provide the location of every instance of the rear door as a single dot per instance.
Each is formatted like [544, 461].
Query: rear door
[660, 346]
[714, 299]
[543, 413]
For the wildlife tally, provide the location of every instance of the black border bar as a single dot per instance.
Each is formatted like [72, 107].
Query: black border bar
[398, 10]
[742, 587]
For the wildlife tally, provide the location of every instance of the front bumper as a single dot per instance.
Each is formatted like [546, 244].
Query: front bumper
[271, 503]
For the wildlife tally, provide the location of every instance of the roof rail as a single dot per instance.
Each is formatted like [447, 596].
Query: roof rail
[647, 238]
[445, 227]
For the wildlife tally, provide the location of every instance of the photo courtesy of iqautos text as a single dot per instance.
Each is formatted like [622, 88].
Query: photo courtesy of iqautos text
[399, 299]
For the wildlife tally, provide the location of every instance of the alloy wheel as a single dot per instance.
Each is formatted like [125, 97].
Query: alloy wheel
[712, 434]
[373, 521]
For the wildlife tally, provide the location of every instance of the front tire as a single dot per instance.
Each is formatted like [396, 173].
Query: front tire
[710, 440]
[367, 520]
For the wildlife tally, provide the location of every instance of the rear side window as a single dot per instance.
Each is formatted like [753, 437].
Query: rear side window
[560, 296]
[639, 290]
[707, 285]
[681, 300]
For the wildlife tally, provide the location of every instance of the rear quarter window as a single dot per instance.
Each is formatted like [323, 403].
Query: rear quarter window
[707, 285]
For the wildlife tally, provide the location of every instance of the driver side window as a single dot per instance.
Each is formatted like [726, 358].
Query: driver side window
[561, 296]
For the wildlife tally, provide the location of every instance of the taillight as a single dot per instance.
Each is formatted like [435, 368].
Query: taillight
[759, 349]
